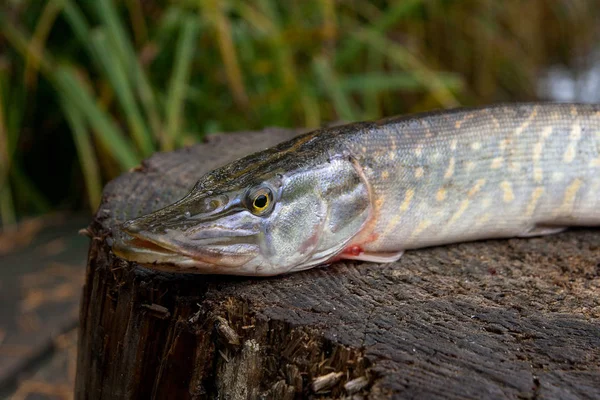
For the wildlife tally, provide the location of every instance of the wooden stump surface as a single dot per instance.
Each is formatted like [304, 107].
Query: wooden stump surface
[516, 318]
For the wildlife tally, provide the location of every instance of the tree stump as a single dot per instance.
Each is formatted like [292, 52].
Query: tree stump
[491, 319]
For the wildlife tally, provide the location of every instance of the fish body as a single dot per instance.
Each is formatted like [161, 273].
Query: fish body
[371, 190]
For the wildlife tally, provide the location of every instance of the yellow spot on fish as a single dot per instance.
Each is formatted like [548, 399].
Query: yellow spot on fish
[392, 224]
[496, 163]
[514, 166]
[503, 144]
[407, 199]
[476, 145]
[525, 124]
[385, 174]
[495, 121]
[478, 185]
[573, 111]
[453, 144]
[507, 190]
[392, 156]
[470, 166]
[440, 195]
[575, 135]
[450, 170]
[538, 149]
[421, 227]
[575, 132]
[570, 195]
[483, 219]
[419, 172]
[547, 132]
[535, 197]
[459, 123]
[419, 150]
[538, 174]
[595, 163]
[428, 133]
[569, 154]
[463, 207]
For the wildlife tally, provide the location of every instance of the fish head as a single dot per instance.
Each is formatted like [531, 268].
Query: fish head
[276, 218]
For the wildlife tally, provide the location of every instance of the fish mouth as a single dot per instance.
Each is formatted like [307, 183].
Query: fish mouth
[173, 251]
[137, 244]
[147, 252]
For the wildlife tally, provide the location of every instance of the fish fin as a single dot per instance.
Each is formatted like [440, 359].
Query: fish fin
[374, 257]
[542, 230]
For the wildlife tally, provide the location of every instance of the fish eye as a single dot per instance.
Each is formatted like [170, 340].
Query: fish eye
[260, 200]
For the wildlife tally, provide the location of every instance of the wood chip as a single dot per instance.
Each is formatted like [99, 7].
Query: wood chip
[325, 382]
[157, 310]
[356, 385]
[227, 332]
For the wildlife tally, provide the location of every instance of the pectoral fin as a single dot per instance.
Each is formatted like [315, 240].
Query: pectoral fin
[373, 257]
[542, 230]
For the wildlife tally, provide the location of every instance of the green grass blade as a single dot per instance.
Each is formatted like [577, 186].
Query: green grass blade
[116, 32]
[281, 50]
[7, 209]
[407, 61]
[342, 104]
[382, 81]
[76, 20]
[372, 96]
[310, 105]
[86, 154]
[105, 129]
[216, 14]
[26, 193]
[184, 55]
[39, 37]
[128, 58]
[20, 43]
[267, 22]
[122, 87]
[8, 216]
[12, 104]
[352, 46]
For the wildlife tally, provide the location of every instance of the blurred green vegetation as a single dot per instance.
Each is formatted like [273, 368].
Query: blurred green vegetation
[89, 88]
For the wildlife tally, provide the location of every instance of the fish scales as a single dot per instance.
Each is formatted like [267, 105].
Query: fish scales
[486, 173]
[371, 190]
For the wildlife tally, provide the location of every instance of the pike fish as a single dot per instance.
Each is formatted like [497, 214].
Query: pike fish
[371, 190]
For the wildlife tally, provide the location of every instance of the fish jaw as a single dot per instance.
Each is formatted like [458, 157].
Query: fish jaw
[168, 253]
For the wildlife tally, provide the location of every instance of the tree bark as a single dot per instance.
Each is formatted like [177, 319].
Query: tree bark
[491, 319]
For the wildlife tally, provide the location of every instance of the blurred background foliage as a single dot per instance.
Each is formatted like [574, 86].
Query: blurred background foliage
[89, 88]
